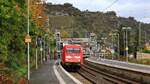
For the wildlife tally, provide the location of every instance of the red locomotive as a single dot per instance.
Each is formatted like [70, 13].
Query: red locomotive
[72, 55]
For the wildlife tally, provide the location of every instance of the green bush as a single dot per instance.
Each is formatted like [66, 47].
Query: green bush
[146, 51]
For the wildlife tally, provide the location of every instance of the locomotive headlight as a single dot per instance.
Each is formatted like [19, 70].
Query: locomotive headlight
[78, 57]
[68, 57]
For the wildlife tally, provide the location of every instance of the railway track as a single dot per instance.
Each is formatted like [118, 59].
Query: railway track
[99, 76]
[80, 78]
[103, 74]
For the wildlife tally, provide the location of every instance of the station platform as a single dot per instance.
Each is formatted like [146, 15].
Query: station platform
[52, 72]
[121, 64]
[44, 75]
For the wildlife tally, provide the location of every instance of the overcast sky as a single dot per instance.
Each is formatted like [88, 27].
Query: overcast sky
[140, 9]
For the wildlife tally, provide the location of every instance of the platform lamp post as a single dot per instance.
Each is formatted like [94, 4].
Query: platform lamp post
[36, 57]
[44, 45]
[115, 34]
[118, 42]
[112, 39]
[126, 41]
[41, 49]
[36, 54]
[28, 40]
[145, 37]
[104, 40]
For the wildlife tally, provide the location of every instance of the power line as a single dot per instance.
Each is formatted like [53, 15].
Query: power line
[111, 4]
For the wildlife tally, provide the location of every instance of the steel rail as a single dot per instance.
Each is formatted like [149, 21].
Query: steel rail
[97, 76]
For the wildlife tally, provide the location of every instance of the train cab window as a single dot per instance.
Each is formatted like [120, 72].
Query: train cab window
[73, 50]
[76, 50]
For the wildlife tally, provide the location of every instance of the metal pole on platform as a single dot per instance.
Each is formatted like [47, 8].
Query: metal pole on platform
[124, 46]
[126, 41]
[28, 21]
[41, 49]
[44, 49]
[139, 36]
[118, 46]
[127, 46]
[36, 55]
[113, 46]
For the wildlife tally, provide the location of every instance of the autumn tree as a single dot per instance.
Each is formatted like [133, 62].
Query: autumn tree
[13, 28]
[37, 9]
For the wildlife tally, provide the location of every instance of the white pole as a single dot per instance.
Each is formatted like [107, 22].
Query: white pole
[36, 55]
[36, 59]
[126, 45]
[126, 41]
[118, 46]
[28, 42]
[44, 48]
[105, 47]
[145, 35]
[41, 54]
[139, 36]
[28, 62]
[118, 39]
[113, 47]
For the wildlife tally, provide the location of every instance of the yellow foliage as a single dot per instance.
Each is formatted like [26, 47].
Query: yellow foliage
[37, 10]
[64, 34]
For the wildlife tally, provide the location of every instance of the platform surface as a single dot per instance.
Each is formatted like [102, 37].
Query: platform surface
[44, 75]
[120, 64]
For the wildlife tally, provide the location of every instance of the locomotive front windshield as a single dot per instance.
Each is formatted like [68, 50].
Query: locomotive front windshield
[73, 50]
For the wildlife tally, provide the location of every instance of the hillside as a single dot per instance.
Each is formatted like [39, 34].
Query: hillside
[79, 23]
[88, 20]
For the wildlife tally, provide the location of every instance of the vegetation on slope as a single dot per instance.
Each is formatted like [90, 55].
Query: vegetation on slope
[13, 28]
[83, 22]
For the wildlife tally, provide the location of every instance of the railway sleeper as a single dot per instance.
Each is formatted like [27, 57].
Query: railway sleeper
[144, 79]
[88, 76]
[112, 77]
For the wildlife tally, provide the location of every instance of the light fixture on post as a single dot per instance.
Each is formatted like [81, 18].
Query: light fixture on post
[126, 41]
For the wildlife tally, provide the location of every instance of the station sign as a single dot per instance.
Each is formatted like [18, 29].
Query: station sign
[27, 38]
